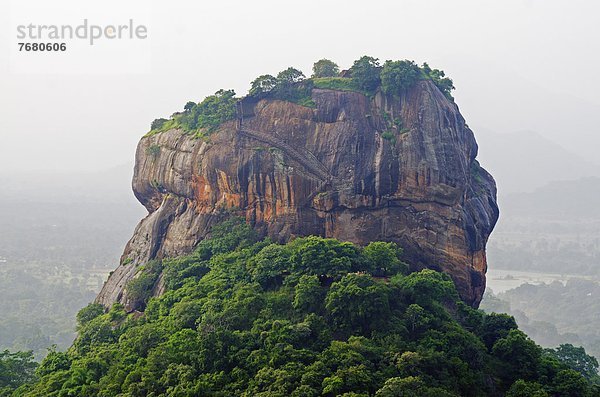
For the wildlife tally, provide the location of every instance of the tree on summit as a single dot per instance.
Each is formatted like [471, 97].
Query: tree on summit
[399, 76]
[262, 85]
[365, 72]
[325, 68]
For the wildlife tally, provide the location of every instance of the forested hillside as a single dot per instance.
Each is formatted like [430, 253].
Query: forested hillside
[313, 317]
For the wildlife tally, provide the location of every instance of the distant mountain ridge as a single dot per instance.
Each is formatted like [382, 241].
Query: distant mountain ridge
[525, 160]
[558, 199]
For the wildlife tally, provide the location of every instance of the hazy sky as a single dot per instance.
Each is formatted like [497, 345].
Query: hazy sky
[517, 65]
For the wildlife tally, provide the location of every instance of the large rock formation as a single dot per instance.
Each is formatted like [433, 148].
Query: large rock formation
[353, 168]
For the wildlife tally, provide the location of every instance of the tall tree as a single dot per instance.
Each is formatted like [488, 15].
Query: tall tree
[365, 72]
[325, 68]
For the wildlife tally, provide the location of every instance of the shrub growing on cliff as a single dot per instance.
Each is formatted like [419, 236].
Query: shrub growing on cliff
[389, 136]
[157, 124]
[153, 150]
[140, 288]
[202, 118]
[212, 111]
[439, 78]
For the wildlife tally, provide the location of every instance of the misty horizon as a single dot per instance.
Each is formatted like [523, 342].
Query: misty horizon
[517, 65]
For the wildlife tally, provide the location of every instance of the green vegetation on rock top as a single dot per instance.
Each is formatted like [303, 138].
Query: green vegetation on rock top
[365, 76]
[200, 119]
[336, 83]
[315, 317]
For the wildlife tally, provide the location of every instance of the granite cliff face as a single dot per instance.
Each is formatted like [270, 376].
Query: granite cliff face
[344, 169]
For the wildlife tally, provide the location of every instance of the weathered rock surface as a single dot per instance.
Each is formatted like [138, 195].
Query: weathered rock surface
[293, 170]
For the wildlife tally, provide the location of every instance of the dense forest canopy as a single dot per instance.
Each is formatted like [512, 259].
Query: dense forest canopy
[243, 316]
